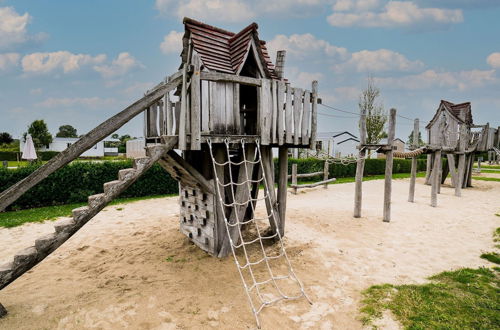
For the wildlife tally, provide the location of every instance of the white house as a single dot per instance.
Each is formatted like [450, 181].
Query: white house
[60, 144]
[335, 144]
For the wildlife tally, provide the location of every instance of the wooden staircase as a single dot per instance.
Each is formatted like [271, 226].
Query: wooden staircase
[63, 230]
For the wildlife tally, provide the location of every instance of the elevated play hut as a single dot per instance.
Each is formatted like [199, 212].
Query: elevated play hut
[211, 125]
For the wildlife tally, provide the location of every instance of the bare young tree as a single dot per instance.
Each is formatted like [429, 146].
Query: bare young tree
[376, 117]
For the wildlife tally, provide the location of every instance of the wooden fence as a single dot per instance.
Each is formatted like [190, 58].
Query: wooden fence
[295, 176]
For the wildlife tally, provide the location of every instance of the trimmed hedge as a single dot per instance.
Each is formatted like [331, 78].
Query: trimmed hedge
[76, 181]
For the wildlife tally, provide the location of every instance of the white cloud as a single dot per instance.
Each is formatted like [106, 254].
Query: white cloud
[13, 27]
[92, 102]
[378, 61]
[348, 92]
[172, 43]
[431, 79]
[36, 91]
[365, 13]
[209, 10]
[301, 46]
[302, 79]
[50, 62]
[494, 60]
[119, 67]
[138, 88]
[9, 60]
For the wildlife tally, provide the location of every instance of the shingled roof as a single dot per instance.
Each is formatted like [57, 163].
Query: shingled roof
[462, 112]
[225, 51]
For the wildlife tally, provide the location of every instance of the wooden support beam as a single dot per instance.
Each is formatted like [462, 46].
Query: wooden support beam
[414, 162]
[452, 169]
[271, 202]
[314, 115]
[282, 186]
[360, 166]
[388, 166]
[297, 107]
[325, 173]
[169, 115]
[86, 142]
[428, 170]
[288, 115]
[195, 93]
[281, 113]
[436, 179]
[265, 112]
[274, 109]
[224, 77]
[183, 114]
[220, 224]
[294, 178]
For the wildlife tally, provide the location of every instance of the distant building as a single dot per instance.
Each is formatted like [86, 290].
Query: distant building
[60, 144]
[335, 144]
[398, 143]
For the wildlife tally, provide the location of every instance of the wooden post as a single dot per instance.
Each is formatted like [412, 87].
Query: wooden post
[297, 107]
[267, 158]
[428, 169]
[195, 105]
[452, 168]
[265, 112]
[435, 178]
[325, 173]
[288, 115]
[314, 115]
[161, 117]
[305, 118]
[414, 162]
[461, 161]
[360, 166]
[274, 109]
[282, 186]
[281, 113]
[182, 116]
[169, 114]
[388, 166]
[221, 232]
[294, 178]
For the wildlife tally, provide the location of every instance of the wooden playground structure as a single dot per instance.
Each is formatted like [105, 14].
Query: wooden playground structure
[450, 132]
[223, 111]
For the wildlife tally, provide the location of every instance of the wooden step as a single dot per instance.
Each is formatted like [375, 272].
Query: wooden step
[25, 256]
[45, 242]
[122, 174]
[64, 225]
[78, 212]
[108, 186]
[139, 162]
[94, 198]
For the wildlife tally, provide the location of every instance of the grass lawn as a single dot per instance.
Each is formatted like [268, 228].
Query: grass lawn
[17, 218]
[490, 171]
[485, 178]
[490, 166]
[462, 299]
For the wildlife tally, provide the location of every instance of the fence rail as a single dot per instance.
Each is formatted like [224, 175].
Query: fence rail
[294, 176]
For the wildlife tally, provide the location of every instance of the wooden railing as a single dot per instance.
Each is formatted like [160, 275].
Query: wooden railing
[295, 176]
[208, 103]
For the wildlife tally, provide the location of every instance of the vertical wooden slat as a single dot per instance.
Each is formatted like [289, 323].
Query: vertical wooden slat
[177, 116]
[288, 115]
[161, 119]
[205, 106]
[274, 100]
[153, 120]
[213, 115]
[183, 113]
[305, 118]
[229, 102]
[325, 173]
[314, 115]
[414, 163]
[169, 115]
[388, 166]
[195, 105]
[282, 186]
[236, 108]
[461, 160]
[297, 107]
[281, 113]
[265, 118]
[294, 178]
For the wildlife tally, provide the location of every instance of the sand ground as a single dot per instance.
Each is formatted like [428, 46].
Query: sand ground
[130, 268]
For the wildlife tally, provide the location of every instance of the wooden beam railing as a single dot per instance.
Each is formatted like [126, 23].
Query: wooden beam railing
[294, 176]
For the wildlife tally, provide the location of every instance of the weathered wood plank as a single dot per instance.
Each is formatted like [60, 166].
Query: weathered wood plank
[297, 109]
[388, 167]
[274, 101]
[224, 77]
[183, 114]
[195, 105]
[169, 115]
[281, 113]
[282, 186]
[220, 224]
[236, 109]
[177, 110]
[314, 115]
[161, 118]
[305, 118]
[289, 115]
[414, 163]
[312, 185]
[205, 107]
[265, 108]
[325, 173]
[229, 103]
[271, 202]
[294, 178]
[461, 161]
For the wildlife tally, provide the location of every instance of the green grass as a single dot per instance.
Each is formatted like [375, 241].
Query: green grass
[366, 178]
[490, 166]
[489, 171]
[461, 299]
[17, 218]
[485, 178]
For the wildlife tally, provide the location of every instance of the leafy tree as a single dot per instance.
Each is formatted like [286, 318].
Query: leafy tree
[40, 133]
[376, 117]
[67, 131]
[5, 138]
[420, 141]
[115, 136]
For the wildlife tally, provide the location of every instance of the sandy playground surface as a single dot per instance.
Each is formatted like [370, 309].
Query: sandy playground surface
[130, 268]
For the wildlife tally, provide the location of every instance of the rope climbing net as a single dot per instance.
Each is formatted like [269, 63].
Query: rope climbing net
[262, 284]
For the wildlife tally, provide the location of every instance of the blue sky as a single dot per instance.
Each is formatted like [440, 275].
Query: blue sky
[79, 62]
